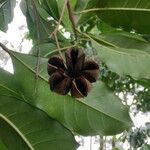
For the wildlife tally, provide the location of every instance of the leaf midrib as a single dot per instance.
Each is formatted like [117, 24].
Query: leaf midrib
[17, 131]
[111, 44]
[113, 9]
[106, 114]
[2, 4]
[12, 91]
[119, 52]
[95, 109]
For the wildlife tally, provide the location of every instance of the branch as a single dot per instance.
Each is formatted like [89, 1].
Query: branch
[58, 50]
[60, 19]
[5, 48]
[38, 37]
[71, 17]
[38, 42]
[58, 46]
[57, 27]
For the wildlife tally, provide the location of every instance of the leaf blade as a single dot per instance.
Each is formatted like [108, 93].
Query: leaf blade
[66, 109]
[31, 127]
[130, 15]
[123, 61]
[6, 13]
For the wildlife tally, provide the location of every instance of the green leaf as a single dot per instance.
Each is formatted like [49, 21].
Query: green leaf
[43, 13]
[89, 116]
[124, 61]
[123, 40]
[25, 127]
[81, 4]
[65, 20]
[44, 49]
[7, 87]
[73, 3]
[38, 16]
[6, 13]
[146, 147]
[86, 4]
[45, 28]
[2, 146]
[124, 13]
[49, 49]
[145, 83]
[104, 27]
[53, 8]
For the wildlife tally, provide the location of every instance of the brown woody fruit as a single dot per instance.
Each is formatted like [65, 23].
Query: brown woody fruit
[76, 76]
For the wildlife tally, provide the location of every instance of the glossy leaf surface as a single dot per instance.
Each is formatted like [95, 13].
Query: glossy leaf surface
[123, 61]
[77, 115]
[129, 15]
[25, 127]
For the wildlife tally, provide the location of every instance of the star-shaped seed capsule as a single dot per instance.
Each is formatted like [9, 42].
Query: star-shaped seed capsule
[74, 75]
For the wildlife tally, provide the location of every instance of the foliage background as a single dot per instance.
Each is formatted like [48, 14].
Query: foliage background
[126, 93]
